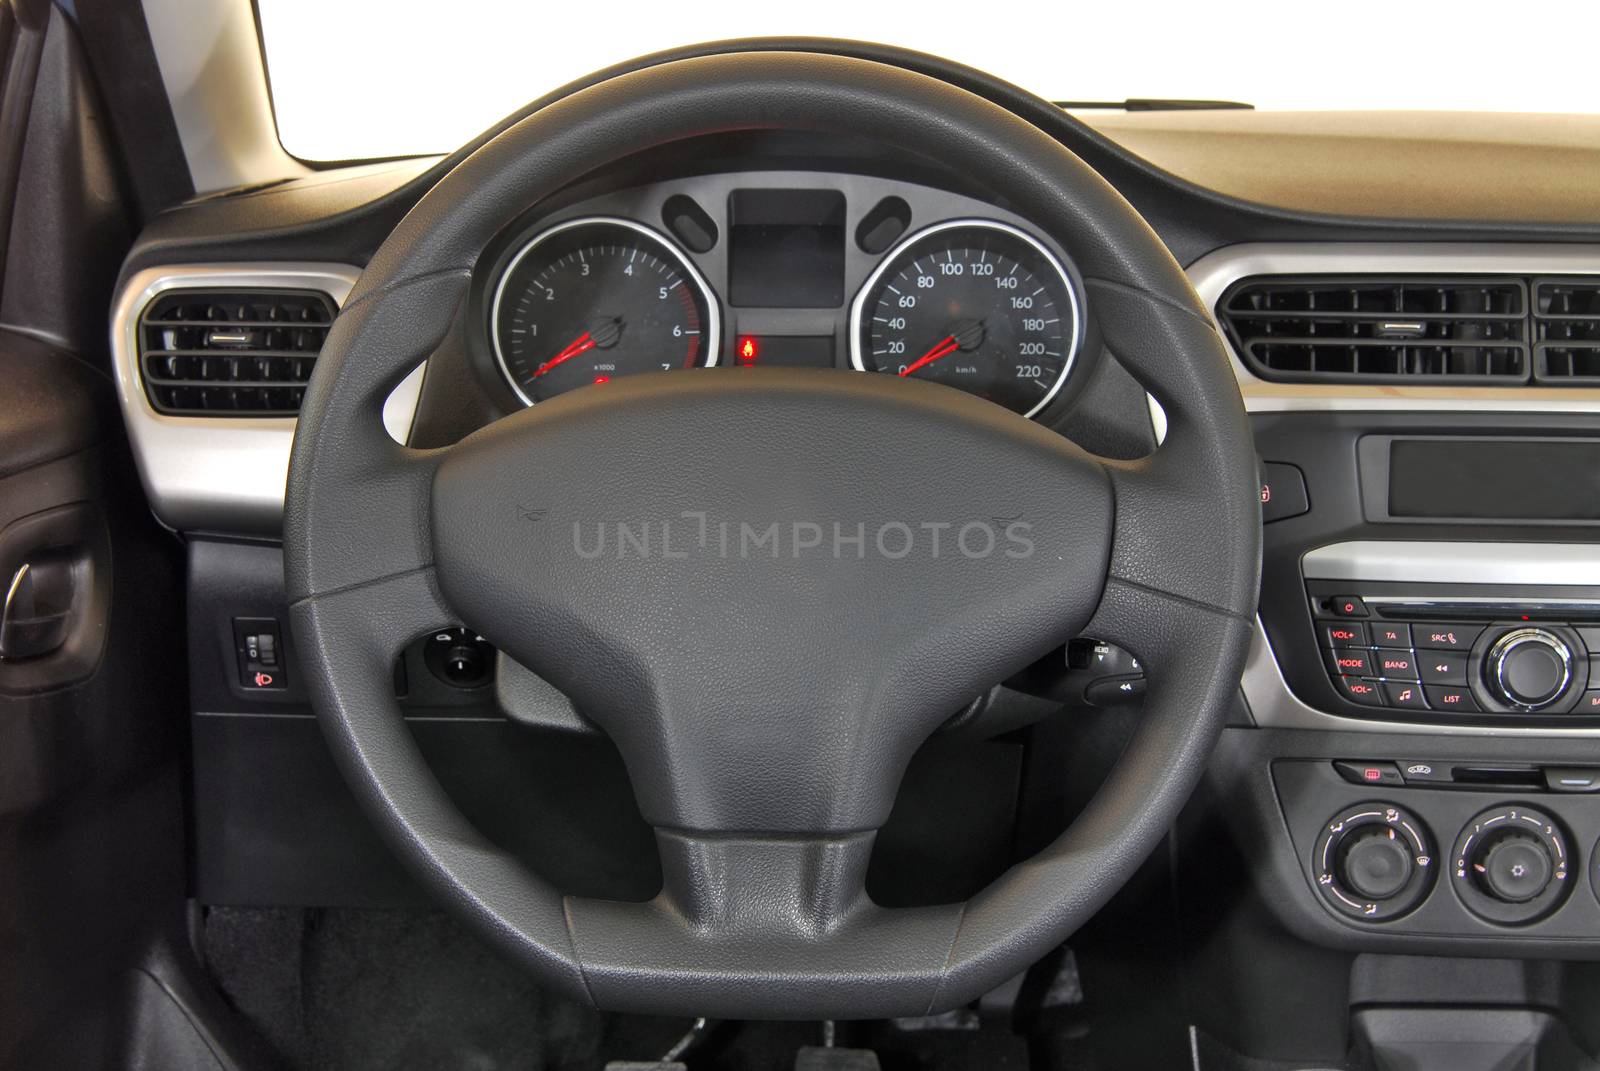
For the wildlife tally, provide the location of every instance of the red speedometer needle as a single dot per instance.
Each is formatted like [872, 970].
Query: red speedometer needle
[944, 348]
[578, 345]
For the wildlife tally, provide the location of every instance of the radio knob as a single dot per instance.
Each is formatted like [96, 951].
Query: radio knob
[1529, 668]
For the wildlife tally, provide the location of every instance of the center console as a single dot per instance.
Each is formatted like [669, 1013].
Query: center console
[1422, 768]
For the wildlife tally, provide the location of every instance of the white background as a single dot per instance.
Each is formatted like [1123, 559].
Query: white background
[356, 79]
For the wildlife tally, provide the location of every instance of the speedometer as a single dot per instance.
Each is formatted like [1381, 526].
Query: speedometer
[591, 299]
[973, 304]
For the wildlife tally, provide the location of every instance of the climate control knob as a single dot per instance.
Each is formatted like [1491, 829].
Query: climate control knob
[1373, 862]
[1516, 868]
[1529, 668]
[1511, 865]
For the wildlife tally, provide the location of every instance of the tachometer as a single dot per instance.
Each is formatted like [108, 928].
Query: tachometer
[973, 304]
[592, 299]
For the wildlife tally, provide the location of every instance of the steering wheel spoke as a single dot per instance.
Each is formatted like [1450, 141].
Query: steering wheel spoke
[1188, 516]
[364, 500]
[758, 915]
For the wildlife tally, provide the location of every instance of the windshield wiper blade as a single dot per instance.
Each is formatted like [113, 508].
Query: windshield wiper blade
[1156, 104]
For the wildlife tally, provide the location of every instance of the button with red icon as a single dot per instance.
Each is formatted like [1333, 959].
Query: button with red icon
[1442, 667]
[258, 642]
[1359, 691]
[1351, 663]
[1403, 694]
[1369, 773]
[1589, 704]
[1396, 664]
[1386, 635]
[1283, 492]
[1347, 606]
[1345, 634]
[1445, 637]
[1450, 699]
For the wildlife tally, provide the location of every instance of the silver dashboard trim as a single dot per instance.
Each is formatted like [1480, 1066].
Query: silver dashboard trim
[1525, 564]
[220, 473]
[1213, 273]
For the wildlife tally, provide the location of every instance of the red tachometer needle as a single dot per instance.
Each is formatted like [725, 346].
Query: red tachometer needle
[578, 345]
[943, 348]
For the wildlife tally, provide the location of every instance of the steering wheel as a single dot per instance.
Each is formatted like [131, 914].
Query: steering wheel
[767, 696]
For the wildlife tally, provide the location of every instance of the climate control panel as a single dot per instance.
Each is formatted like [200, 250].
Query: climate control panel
[1484, 850]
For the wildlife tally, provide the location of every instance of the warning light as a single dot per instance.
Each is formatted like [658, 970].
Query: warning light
[602, 379]
[747, 350]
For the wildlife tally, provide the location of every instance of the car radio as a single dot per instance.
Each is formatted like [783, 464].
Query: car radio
[1458, 654]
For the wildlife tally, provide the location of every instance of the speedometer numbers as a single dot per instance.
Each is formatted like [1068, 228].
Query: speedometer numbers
[973, 304]
[592, 299]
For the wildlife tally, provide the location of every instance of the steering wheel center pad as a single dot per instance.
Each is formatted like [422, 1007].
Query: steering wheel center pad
[770, 586]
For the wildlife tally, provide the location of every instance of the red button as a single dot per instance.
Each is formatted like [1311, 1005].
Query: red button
[1359, 691]
[1391, 635]
[1348, 606]
[1351, 663]
[1404, 695]
[1353, 634]
[1445, 637]
[1401, 664]
[1457, 699]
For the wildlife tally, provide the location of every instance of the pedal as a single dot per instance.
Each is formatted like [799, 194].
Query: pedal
[817, 1058]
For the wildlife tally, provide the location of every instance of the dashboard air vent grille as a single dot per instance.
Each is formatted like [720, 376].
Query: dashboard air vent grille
[1566, 319]
[236, 352]
[1417, 329]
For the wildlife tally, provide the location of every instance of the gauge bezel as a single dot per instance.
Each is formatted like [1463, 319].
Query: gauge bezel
[713, 326]
[858, 305]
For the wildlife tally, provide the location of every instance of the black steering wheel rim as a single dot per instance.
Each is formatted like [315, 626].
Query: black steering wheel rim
[769, 923]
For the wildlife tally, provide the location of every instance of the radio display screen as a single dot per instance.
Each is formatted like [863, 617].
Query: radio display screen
[1490, 479]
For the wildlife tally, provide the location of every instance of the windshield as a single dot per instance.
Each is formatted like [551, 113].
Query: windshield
[363, 79]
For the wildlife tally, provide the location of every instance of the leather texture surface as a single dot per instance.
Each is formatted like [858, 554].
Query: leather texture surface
[769, 636]
[770, 922]
[56, 404]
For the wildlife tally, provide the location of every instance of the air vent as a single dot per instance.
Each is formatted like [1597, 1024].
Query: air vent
[232, 353]
[1388, 329]
[1566, 321]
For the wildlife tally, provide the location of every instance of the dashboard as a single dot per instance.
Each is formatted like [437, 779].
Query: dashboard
[1425, 673]
[811, 269]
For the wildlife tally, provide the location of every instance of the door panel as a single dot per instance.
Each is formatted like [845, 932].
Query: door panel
[92, 687]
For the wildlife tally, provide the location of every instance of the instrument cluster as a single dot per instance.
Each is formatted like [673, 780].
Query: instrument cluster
[783, 268]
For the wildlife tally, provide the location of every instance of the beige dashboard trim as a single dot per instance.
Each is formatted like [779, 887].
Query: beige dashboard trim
[1390, 164]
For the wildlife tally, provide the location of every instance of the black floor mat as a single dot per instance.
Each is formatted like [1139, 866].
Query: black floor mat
[353, 990]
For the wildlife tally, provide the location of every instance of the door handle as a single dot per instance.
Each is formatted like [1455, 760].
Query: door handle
[37, 615]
